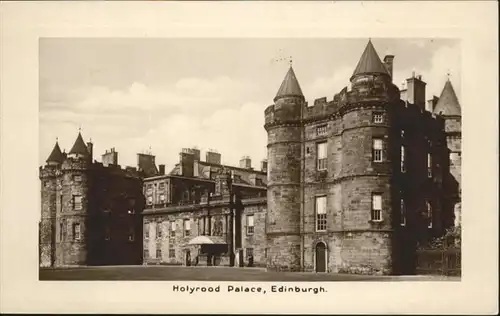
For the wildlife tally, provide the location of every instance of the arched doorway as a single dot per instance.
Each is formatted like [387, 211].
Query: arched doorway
[320, 257]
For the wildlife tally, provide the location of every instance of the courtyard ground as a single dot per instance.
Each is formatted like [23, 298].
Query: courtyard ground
[177, 273]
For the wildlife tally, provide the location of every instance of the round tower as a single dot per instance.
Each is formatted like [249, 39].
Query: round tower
[366, 168]
[47, 233]
[72, 216]
[283, 125]
[448, 107]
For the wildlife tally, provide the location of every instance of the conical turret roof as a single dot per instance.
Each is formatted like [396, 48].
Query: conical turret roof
[369, 62]
[56, 155]
[448, 104]
[290, 86]
[79, 146]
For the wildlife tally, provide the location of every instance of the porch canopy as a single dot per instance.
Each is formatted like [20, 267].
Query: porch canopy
[207, 240]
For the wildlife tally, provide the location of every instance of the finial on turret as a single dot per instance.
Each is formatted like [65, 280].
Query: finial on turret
[291, 61]
[448, 74]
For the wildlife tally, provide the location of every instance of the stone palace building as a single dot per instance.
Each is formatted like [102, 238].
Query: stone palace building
[353, 184]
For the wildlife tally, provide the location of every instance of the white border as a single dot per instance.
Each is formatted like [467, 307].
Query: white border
[22, 23]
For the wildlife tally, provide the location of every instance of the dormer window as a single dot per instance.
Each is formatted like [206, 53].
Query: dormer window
[77, 178]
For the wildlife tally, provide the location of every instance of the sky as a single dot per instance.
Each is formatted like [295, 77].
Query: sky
[160, 95]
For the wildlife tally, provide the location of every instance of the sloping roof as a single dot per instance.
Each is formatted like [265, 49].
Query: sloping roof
[448, 102]
[56, 155]
[369, 62]
[290, 85]
[79, 146]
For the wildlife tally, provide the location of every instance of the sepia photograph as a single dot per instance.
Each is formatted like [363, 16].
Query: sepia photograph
[258, 157]
[250, 159]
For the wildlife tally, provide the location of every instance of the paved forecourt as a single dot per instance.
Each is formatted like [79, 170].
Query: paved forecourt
[177, 273]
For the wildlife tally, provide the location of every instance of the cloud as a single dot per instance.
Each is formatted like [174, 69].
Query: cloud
[328, 86]
[446, 59]
[208, 113]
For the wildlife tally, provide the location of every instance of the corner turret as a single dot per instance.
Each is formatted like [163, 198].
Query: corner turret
[371, 78]
[56, 157]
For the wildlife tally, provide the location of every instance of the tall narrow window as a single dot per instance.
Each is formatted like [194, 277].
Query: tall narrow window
[377, 150]
[322, 156]
[61, 203]
[250, 225]
[77, 202]
[376, 214]
[60, 231]
[146, 231]
[429, 165]
[150, 200]
[171, 252]
[146, 253]
[402, 219]
[76, 231]
[321, 213]
[162, 198]
[131, 234]
[107, 233]
[158, 230]
[403, 159]
[429, 214]
[172, 229]
[187, 227]
[158, 253]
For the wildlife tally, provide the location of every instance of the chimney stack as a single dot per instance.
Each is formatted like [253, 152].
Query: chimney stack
[90, 148]
[246, 162]
[388, 62]
[415, 91]
[161, 169]
[213, 157]
[263, 165]
[110, 157]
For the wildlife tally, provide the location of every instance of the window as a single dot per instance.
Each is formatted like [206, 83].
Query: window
[377, 150]
[76, 231]
[321, 130]
[172, 229]
[149, 187]
[77, 178]
[250, 225]
[46, 184]
[249, 253]
[403, 159]
[322, 156]
[402, 133]
[258, 182]
[187, 227]
[146, 231]
[429, 214]
[77, 202]
[158, 253]
[429, 165]
[321, 213]
[402, 220]
[61, 203]
[131, 235]
[146, 253]
[150, 200]
[158, 230]
[171, 253]
[60, 231]
[162, 186]
[162, 198]
[376, 215]
[378, 117]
